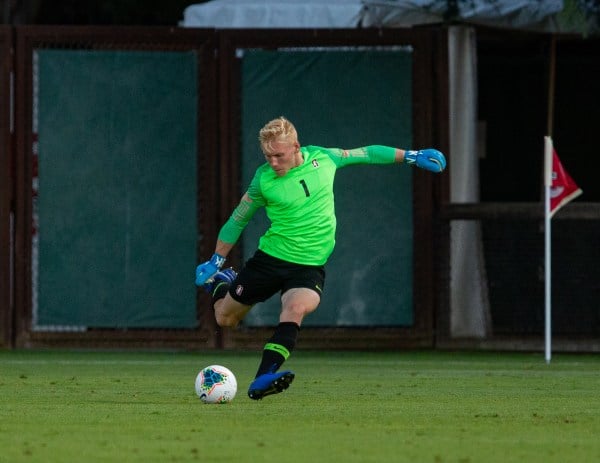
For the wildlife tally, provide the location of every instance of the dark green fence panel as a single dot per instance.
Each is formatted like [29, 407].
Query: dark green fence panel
[343, 98]
[116, 206]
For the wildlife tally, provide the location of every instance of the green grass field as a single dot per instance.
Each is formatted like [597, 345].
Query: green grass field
[60, 406]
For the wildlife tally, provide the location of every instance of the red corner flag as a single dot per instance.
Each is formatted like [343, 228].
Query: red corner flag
[563, 189]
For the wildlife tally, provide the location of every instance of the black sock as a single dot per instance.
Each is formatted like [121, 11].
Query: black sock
[278, 347]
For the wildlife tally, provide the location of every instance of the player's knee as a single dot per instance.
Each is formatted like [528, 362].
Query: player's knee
[226, 321]
[299, 309]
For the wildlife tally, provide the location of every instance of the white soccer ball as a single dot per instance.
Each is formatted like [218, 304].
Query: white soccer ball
[216, 384]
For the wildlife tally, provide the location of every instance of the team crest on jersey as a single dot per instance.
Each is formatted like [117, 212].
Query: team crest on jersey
[239, 290]
[315, 163]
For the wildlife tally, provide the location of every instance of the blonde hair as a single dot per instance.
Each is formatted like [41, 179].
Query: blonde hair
[277, 130]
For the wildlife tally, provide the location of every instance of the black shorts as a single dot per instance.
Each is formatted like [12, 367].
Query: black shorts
[264, 275]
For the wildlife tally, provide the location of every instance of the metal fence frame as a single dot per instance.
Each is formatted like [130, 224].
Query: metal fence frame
[6, 189]
[429, 127]
[29, 38]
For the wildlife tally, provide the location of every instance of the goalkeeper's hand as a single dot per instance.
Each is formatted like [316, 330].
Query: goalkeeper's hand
[208, 269]
[429, 159]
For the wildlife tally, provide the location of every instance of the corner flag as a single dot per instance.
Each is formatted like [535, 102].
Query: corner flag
[563, 188]
[559, 189]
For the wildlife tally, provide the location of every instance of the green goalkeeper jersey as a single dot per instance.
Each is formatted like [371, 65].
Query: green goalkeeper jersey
[300, 204]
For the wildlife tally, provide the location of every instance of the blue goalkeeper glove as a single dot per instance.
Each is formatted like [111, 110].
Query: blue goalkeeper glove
[208, 269]
[428, 159]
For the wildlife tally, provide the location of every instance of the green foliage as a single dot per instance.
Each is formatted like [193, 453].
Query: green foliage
[351, 407]
[580, 16]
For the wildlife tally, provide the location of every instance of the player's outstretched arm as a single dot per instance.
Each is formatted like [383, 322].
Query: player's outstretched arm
[428, 159]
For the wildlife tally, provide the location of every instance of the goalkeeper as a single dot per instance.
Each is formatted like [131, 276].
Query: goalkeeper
[295, 186]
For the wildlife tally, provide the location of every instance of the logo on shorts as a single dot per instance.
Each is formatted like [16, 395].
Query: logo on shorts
[318, 288]
[239, 290]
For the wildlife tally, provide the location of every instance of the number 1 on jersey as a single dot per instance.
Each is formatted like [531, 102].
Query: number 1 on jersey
[306, 192]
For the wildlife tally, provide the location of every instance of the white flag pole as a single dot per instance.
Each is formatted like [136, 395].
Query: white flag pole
[547, 244]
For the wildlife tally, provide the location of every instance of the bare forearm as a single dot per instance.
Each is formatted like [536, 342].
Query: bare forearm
[399, 155]
[222, 248]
